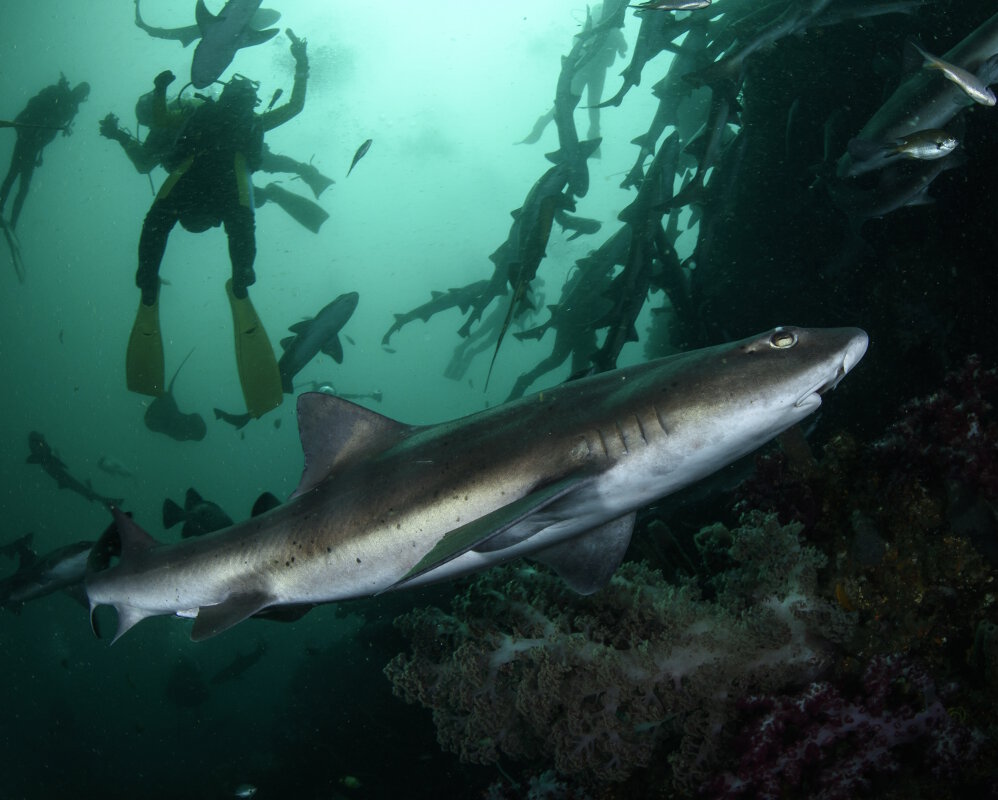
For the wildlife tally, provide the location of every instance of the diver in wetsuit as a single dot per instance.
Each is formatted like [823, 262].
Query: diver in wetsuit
[150, 153]
[217, 149]
[52, 109]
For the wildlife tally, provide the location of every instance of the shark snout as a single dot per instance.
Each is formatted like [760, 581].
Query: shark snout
[850, 355]
[854, 351]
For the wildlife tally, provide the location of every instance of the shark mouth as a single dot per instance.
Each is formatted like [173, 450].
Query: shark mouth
[854, 352]
[813, 395]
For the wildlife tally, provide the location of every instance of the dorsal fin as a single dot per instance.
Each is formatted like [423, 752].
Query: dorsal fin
[335, 431]
[264, 503]
[134, 540]
[203, 16]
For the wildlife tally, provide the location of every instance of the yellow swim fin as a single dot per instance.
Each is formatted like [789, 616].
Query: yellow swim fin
[144, 359]
[255, 359]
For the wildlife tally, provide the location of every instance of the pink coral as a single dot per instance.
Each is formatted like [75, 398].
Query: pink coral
[826, 747]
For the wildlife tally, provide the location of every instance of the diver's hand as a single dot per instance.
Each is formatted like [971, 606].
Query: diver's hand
[164, 79]
[298, 50]
[109, 127]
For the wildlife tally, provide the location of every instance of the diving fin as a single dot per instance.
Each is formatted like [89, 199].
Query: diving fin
[316, 181]
[144, 359]
[255, 359]
[306, 212]
[15, 248]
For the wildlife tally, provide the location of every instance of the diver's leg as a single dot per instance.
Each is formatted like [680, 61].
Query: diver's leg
[162, 216]
[259, 375]
[144, 357]
[18, 159]
[27, 170]
[240, 228]
[8, 184]
[594, 95]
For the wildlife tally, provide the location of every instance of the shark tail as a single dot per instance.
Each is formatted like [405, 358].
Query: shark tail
[125, 538]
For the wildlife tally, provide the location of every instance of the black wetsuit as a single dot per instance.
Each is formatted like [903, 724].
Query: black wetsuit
[209, 186]
[217, 149]
[55, 107]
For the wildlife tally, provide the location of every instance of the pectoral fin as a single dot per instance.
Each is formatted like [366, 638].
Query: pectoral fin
[475, 534]
[587, 562]
[334, 349]
[213, 620]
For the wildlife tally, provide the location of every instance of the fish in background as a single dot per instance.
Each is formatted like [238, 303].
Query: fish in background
[62, 569]
[462, 297]
[112, 466]
[202, 516]
[222, 35]
[164, 416]
[361, 152]
[975, 87]
[19, 548]
[925, 102]
[199, 516]
[313, 336]
[37, 576]
[44, 456]
[263, 18]
[321, 334]
[237, 421]
[925, 145]
[239, 665]
[671, 5]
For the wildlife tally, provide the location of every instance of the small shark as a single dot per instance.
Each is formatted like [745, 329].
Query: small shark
[242, 662]
[36, 577]
[199, 516]
[263, 18]
[557, 476]
[462, 297]
[164, 415]
[43, 455]
[237, 421]
[222, 36]
[112, 466]
[320, 334]
[19, 548]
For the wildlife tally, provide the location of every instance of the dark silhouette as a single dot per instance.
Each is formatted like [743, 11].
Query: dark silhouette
[48, 112]
[217, 149]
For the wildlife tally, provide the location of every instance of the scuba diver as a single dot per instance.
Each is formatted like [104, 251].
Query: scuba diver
[150, 153]
[589, 78]
[216, 150]
[48, 112]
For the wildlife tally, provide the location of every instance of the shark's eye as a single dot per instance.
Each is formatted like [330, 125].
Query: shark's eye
[781, 339]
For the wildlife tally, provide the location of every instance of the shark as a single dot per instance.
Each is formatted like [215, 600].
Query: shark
[44, 456]
[321, 334]
[164, 415]
[263, 18]
[38, 576]
[556, 476]
[221, 36]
